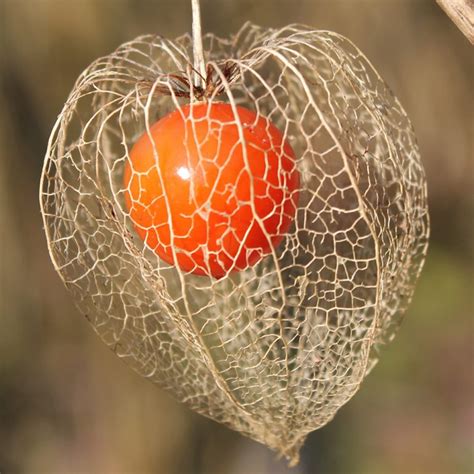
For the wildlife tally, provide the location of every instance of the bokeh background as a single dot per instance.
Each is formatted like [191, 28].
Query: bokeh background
[68, 405]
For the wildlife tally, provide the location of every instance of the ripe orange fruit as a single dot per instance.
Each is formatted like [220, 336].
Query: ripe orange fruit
[206, 198]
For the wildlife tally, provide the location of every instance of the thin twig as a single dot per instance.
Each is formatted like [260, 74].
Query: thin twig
[198, 54]
[461, 13]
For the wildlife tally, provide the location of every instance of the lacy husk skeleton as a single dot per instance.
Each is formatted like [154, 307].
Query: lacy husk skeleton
[272, 351]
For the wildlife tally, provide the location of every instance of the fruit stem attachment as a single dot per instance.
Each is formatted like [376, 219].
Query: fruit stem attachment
[198, 53]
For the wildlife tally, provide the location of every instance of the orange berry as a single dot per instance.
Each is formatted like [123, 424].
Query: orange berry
[208, 194]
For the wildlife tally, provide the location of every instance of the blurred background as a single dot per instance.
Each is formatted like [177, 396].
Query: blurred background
[67, 404]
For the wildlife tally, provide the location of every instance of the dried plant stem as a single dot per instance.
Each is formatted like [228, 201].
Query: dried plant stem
[198, 54]
[461, 13]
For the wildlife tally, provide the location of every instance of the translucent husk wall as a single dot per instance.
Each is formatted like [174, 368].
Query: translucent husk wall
[275, 350]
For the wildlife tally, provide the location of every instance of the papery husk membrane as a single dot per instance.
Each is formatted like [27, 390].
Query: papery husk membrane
[275, 350]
